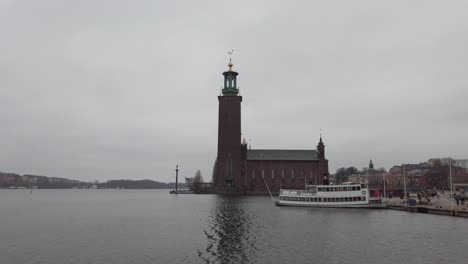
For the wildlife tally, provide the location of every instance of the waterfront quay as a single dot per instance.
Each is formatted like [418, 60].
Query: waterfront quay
[442, 204]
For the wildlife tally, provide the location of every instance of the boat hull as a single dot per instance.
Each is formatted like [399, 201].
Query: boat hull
[369, 206]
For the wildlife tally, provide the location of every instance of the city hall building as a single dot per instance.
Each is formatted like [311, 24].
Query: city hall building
[239, 169]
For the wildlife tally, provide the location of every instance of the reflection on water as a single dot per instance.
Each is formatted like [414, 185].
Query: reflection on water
[229, 237]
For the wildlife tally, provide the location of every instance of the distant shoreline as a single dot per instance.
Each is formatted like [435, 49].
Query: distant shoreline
[16, 181]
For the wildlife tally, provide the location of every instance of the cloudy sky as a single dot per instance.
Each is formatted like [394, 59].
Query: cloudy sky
[108, 89]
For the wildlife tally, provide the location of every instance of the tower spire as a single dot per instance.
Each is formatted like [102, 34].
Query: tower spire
[230, 60]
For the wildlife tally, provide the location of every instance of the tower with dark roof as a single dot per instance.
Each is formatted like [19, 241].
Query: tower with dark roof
[226, 176]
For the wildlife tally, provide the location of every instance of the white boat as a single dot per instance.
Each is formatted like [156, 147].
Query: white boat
[346, 195]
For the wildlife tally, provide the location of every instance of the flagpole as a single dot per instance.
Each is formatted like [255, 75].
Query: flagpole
[404, 184]
[384, 192]
[451, 184]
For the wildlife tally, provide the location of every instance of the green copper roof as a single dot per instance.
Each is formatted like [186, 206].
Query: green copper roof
[281, 154]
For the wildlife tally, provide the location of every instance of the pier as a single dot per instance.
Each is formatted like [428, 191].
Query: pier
[442, 205]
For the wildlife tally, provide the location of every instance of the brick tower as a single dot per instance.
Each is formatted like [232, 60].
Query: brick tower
[227, 170]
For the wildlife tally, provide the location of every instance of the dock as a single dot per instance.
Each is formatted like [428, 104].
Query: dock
[440, 206]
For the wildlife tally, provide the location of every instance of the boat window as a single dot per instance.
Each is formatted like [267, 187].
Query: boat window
[327, 189]
[354, 188]
[358, 188]
[346, 199]
[363, 198]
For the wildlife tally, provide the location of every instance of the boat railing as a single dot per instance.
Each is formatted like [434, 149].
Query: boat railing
[294, 192]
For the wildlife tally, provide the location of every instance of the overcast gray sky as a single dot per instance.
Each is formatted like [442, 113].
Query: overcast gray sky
[98, 90]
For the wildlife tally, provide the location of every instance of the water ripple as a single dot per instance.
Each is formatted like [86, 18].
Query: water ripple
[229, 238]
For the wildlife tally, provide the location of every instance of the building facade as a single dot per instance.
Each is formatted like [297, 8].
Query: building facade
[241, 170]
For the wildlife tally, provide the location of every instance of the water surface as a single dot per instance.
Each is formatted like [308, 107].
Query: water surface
[151, 226]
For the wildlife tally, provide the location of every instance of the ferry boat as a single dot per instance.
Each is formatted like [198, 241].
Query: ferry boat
[345, 195]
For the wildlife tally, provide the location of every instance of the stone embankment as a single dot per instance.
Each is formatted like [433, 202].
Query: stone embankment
[442, 205]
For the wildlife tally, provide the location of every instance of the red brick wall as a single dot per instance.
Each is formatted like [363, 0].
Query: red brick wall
[229, 139]
[304, 171]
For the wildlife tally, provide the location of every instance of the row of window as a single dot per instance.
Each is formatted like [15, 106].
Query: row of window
[339, 188]
[324, 200]
[282, 173]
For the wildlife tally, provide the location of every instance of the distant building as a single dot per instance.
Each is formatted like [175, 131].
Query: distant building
[393, 181]
[240, 169]
[462, 163]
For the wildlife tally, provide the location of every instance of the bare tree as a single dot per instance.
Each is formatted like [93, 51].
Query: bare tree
[197, 181]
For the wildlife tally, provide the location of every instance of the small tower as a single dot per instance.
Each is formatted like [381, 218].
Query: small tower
[371, 165]
[321, 149]
[230, 80]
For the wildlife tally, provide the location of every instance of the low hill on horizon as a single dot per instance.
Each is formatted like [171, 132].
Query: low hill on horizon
[13, 180]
